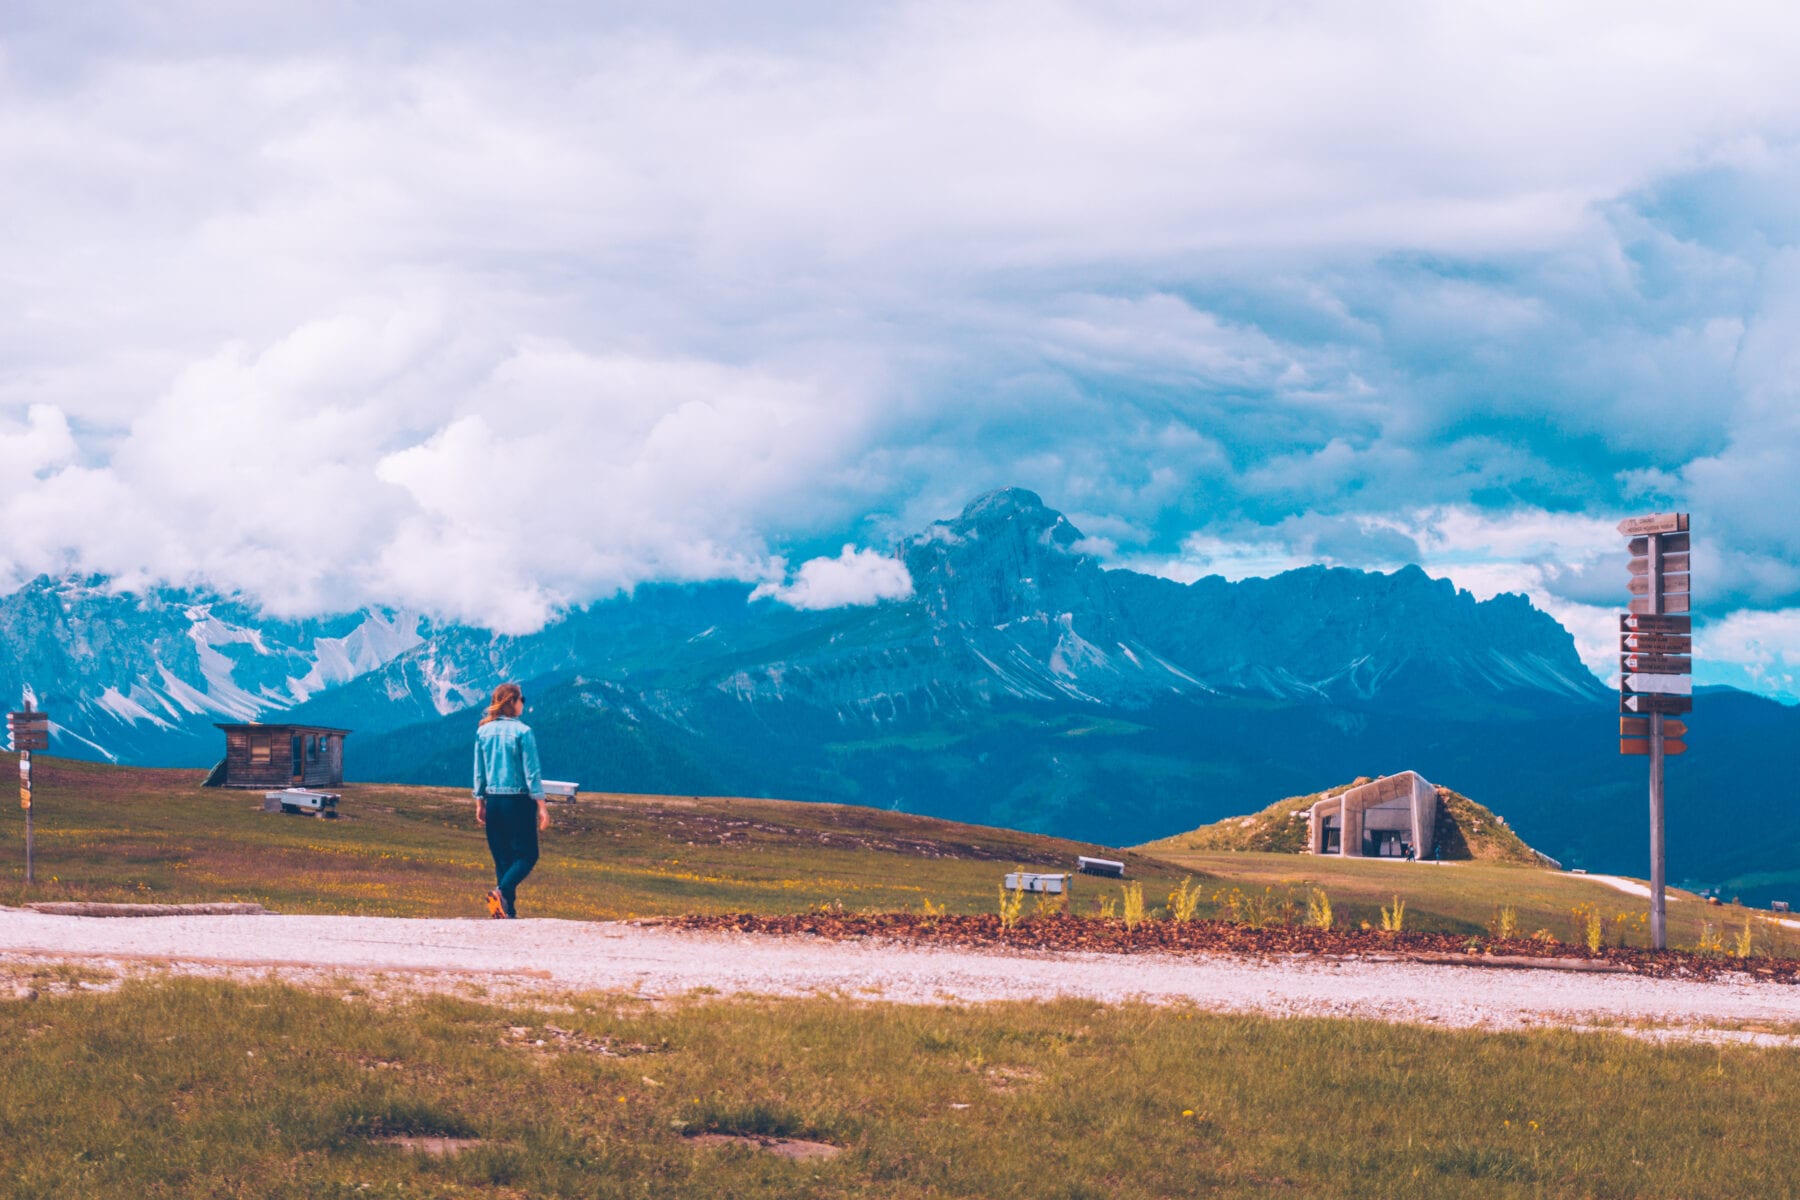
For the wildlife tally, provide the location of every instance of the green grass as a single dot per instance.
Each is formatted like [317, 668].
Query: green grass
[188, 1088]
[128, 834]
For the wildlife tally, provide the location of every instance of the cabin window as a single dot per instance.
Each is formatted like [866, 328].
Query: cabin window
[259, 754]
[313, 748]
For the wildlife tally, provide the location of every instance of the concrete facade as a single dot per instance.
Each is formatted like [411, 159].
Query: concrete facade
[1376, 820]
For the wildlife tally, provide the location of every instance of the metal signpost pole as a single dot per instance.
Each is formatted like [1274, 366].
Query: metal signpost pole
[1659, 927]
[27, 731]
[1655, 669]
[25, 799]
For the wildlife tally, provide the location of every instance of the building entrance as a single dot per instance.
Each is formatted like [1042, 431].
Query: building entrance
[1384, 843]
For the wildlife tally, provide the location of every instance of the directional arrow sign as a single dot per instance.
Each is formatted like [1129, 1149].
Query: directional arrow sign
[1636, 747]
[1672, 706]
[1643, 605]
[1672, 564]
[1656, 664]
[1639, 585]
[1656, 643]
[1671, 543]
[1640, 727]
[1666, 685]
[1654, 623]
[1655, 523]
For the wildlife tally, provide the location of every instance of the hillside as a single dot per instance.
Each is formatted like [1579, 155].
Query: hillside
[1468, 831]
[108, 833]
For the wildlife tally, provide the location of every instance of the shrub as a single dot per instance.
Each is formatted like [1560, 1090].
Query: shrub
[1134, 905]
[1393, 919]
[1590, 931]
[1740, 943]
[1318, 909]
[1184, 900]
[1011, 901]
[1505, 925]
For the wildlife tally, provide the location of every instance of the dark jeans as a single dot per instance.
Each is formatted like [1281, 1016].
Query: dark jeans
[512, 836]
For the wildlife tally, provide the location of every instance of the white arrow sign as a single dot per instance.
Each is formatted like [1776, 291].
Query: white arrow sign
[1668, 685]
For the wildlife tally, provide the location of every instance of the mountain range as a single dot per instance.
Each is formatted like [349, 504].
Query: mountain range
[1021, 684]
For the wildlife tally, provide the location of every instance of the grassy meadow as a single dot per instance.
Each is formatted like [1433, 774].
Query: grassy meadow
[184, 1088]
[157, 1086]
[130, 834]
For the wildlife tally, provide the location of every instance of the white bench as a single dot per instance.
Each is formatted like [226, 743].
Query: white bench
[301, 800]
[1033, 881]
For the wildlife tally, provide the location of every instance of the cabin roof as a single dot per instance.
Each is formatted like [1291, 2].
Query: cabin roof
[283, 728]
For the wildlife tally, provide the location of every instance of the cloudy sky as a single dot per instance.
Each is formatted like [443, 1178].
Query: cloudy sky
[446, 306]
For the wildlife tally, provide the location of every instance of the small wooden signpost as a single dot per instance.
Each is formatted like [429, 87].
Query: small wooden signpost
[27, 731]
[1656, 669]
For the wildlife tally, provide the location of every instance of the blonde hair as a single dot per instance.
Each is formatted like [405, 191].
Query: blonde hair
[505, 696]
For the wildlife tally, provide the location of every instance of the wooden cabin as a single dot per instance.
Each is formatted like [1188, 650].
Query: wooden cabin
[281, 756]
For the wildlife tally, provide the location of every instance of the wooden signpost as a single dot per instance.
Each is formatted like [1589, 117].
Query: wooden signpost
[27, 731]
[1656, 668]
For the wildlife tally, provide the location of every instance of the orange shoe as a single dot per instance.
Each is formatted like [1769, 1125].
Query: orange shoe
[496, 906]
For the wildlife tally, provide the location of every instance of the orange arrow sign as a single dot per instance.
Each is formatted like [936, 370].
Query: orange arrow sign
[1631, 746]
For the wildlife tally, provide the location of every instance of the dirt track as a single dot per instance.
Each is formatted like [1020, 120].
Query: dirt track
[568, 955]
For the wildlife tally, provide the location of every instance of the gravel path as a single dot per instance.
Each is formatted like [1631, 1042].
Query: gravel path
[1630, 887]
[571, 955]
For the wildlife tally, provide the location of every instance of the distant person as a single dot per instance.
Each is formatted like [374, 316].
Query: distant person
[509, 796]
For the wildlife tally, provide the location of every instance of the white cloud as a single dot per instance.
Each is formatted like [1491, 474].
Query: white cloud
[1759, 650]
[349, 305]
[376, 457]
[30, 447]
[854, 577]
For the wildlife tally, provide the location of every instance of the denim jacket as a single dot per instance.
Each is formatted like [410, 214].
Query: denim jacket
[506, 759]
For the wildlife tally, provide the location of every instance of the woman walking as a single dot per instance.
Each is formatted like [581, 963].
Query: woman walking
[509, 796]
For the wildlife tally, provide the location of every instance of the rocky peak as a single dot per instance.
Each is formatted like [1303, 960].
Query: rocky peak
[1006, 559]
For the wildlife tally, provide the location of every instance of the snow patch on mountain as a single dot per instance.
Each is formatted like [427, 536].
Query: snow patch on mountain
[1073, 652]
[63, 731]
[127, 709]
[370, 646]
[448, 693]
